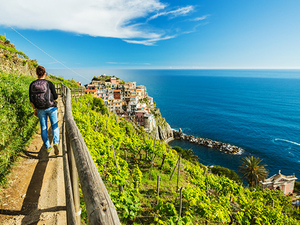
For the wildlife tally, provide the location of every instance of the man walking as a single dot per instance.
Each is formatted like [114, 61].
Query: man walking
[42, 95]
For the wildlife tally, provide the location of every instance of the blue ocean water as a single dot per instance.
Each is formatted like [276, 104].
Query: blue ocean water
[258, 110]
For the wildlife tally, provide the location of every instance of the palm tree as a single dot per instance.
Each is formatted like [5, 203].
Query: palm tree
[252, 169]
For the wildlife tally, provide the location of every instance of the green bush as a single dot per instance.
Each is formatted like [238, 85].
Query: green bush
[2, 38]
[58, 80]
[13, 50]
[187, 154]
[297, 187]
[222, 171]
[99, 106]
[17, 122]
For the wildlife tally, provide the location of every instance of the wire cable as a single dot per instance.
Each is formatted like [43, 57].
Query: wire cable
[46, 52]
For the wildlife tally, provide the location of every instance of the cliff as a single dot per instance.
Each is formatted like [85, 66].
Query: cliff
[163, 129]
[15, 61]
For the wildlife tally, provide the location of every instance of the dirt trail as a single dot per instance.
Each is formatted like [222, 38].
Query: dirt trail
[36, 192]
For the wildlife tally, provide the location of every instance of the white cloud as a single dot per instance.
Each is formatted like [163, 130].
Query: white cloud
[149, 42]
[178, 12]
[106, 18]
[200, 18]
[99, 18]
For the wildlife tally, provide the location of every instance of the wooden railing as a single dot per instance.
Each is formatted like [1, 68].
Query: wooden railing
[79, 163]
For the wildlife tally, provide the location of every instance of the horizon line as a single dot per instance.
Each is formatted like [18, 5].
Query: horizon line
[184, 68]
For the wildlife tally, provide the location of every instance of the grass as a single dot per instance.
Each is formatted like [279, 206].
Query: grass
[17, 122]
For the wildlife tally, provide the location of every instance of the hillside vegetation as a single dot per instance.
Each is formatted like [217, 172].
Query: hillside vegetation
[17, 122]
[206, 198]
[13, 60]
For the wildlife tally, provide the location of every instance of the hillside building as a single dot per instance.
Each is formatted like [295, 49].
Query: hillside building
[124, 99]
[280, 182]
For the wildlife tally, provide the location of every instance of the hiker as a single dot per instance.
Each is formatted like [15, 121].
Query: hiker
[42, 95]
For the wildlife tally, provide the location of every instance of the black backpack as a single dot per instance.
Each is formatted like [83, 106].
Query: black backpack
[41, 94]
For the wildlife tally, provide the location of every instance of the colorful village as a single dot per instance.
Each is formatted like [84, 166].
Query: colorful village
[125, 99]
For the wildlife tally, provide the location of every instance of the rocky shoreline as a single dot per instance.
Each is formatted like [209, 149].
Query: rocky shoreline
[227, 148]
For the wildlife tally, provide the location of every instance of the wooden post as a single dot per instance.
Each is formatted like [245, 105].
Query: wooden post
[175, 167]
[273, 203]
[163, 161]
[141, 154]
[178, 172]
[152, 158]
[74, 181]
[97, 123]
[71, 215]
[284, 219]
[106, 125]
[120, 187]
[158, 176]
[180, 206]
[125, 155]
[206, 187]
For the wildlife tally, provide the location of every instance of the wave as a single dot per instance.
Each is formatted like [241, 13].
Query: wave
[292, 142]
[292, 154]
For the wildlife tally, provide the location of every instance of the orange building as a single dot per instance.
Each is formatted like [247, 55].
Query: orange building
[117, 94]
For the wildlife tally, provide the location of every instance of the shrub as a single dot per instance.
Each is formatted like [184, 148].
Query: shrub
[222, 171]
[187, 154]
[297, 187]
[13, 50]
[17, 122]
[2, 38]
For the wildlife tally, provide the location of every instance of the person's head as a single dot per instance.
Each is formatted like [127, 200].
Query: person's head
[40, 71]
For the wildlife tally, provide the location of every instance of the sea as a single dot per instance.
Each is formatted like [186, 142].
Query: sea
[257, 110]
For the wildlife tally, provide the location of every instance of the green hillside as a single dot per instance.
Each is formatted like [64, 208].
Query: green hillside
[17, 122]
[206, 198]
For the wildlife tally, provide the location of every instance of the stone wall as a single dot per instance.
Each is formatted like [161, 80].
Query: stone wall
[10, 62]
[228, 148]
[15, 65]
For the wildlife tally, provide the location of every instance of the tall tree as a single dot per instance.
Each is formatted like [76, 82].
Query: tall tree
[253, 170]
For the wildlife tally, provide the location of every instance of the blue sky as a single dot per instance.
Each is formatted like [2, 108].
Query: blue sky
[154, 34]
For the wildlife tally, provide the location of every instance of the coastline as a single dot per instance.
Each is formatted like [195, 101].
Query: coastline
[225, 147]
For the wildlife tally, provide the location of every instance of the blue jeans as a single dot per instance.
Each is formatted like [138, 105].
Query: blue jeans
[43, 115]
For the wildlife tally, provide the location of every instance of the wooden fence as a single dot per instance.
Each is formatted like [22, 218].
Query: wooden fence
[79, 163]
